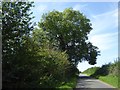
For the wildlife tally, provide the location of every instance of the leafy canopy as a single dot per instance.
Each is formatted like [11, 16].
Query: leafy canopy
[69, 30]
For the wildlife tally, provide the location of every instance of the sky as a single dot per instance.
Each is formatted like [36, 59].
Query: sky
[104, 19]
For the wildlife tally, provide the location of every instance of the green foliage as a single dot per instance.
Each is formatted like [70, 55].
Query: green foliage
[69, 30]
[114, 68]
[53, 62]
[38, 65]
[16, 25]
[69, 85]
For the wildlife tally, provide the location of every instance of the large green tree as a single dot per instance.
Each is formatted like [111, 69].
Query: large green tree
[69, 30]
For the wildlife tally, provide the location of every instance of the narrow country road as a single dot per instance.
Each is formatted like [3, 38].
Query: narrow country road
[85, 81]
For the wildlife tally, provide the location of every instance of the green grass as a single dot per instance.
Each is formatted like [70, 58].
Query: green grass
[86, 73]
[110, 79]
[91, 71]
[69, 85]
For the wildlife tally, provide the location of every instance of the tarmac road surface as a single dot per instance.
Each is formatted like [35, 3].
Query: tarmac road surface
[85, 81]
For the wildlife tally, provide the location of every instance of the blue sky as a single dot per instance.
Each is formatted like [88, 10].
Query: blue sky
[104, 19]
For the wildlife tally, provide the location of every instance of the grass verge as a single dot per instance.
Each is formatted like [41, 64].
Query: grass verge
[69, 85]
[110, 79]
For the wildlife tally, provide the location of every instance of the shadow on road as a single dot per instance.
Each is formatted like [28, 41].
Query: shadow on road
[84, 77]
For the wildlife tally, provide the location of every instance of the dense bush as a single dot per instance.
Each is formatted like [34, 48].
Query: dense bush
[55, 64]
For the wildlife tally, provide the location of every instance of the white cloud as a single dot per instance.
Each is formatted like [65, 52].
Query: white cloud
[105, 21]
[79, 6]
[41, 8]
[105, 41]
[102, 34]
